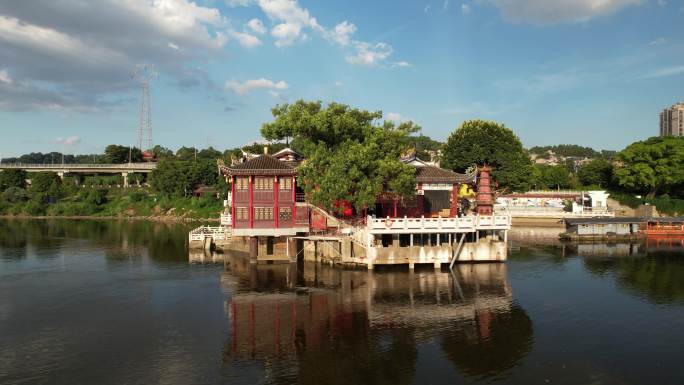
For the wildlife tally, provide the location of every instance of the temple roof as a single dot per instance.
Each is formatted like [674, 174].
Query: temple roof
[429, 173]
[261, 165]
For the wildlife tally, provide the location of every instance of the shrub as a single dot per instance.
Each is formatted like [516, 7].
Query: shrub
[15, 195]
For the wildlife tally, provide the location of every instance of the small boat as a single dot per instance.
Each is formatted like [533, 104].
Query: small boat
[671, 227]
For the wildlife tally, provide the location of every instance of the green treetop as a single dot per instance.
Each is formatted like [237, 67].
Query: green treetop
[485, 142]
[652, 166]
[349, 154]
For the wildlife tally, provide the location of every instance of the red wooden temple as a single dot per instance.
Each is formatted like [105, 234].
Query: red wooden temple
[264, 198]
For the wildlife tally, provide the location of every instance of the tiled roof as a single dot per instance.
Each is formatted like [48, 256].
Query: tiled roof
[432, 174]
[262, 165]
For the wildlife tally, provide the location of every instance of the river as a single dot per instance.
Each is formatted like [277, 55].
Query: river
[107, 302]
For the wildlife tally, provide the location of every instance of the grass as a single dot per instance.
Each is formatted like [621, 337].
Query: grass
[117, 202]
[664, 204]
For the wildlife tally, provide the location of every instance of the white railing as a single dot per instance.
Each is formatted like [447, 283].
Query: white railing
[463, 224]
[226, 220]
[61, 166]
[217, 233]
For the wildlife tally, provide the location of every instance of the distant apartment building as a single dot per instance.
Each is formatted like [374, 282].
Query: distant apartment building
[672, 121]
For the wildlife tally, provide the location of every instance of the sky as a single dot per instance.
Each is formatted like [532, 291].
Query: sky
[588, 72]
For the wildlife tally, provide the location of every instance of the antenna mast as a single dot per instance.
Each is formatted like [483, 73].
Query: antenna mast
[144, 74]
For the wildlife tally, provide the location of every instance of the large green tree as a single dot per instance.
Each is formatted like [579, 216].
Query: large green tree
[122, 154]
[480, 142]
[12, 178]
[45, 185]
[350, 154]
[554, 177]
[651, 166]
[598, 172]
[178, 178]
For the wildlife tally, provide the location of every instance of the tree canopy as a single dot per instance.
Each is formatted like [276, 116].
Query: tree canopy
[652, 166]
[479, 142]
[178, 178]
[350, 154]
[12, 178]
[122, 154]
[598, 172]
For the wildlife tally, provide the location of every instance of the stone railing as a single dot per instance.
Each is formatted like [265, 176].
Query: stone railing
[462, 224]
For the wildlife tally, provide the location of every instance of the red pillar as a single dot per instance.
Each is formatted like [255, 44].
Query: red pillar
[294, 201]
[251, 202]
[232, 200]
[276, 206]
[454, 200]
[395, 207]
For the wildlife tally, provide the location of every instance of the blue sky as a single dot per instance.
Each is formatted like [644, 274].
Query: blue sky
[590, 72]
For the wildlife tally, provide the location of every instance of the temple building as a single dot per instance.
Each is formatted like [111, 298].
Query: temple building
[436, 193]
[263, 204]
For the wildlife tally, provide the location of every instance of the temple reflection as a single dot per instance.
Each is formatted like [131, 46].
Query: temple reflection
[368, 327]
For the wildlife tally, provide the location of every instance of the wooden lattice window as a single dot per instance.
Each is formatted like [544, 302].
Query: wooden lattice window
[263, 213]
[242, 183]
[285, 183]
[263, 184]
[285, 214]
[242, 213]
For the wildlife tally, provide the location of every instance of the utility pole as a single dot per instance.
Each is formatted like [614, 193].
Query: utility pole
[130, 154]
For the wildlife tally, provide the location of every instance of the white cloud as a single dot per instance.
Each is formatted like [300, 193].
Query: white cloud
[465, 9]
[426, 9]
[658, 41]
[292, 21]
[338, 84]
[256, 26]
[369, 55]
[287, 34]
[238, 3]
[402, 64]
[256, 84]
[291, 18]
[173, 46]
[4, 77]
[664, 72]
[393, 116]
[341, 34]
[69, 141]
[445, 5]
[245, 39]
[546, 12]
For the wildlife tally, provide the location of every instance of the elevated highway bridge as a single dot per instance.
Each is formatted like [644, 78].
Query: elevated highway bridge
[62, 169]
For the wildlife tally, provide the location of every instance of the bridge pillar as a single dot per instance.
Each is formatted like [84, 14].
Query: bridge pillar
[125, 178]
[253, 249]
[60, 174]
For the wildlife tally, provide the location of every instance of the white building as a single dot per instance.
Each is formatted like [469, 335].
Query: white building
[672, 121]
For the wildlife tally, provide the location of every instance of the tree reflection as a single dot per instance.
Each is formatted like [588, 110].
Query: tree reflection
[657, 277]
[120, 240]
[358, 327]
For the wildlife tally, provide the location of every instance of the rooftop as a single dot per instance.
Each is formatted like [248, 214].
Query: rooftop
[261, 165]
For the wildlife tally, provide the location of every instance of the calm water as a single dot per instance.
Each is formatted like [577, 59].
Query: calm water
[84, 302]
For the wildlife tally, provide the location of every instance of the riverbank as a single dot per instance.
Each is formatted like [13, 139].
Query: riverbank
[170, 219]
[112, 204]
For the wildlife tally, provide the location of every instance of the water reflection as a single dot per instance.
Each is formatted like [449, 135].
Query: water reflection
[119, 240]
[323, 325]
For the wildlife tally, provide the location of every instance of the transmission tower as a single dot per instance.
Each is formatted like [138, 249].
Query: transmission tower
[144, 74]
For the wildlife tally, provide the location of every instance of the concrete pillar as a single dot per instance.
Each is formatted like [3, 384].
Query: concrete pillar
[60, 174]
[292, 249]
[411, 240]
[125, 178]
[438, 265]
[253, 249]
[412, 266]
[395, 240]
[438, 238]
